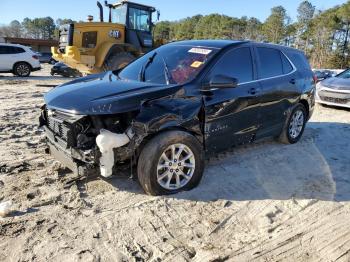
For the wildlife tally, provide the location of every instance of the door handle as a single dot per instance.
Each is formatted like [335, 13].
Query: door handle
[292, 81]
[252, 91]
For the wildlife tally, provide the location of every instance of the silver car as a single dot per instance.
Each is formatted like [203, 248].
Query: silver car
[334, 91]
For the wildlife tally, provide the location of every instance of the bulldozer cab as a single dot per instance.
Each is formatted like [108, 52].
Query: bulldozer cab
[108, 44]
[137, 19]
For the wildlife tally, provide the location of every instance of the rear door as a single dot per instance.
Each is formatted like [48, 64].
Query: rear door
[277, 78]
[5, 58]
[231, 115]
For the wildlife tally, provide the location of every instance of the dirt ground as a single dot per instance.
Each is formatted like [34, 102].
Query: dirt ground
[261, 202]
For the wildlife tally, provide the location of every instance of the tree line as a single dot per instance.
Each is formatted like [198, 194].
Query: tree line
[37, 28]
[322, 35]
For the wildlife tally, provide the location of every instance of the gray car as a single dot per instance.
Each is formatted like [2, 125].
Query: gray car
[46, 58]
[335, 91]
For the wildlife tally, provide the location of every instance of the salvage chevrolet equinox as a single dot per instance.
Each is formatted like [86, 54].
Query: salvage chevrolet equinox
[168, 109]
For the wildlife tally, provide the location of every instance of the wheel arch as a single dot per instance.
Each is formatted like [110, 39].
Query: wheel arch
[305, 103]
[14, 65]
[151, 135]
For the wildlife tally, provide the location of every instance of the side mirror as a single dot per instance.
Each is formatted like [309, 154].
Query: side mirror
[221, 82]
[158, 15]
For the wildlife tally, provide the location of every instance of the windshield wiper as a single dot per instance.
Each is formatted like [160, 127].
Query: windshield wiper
[144, 67]
[166, 72]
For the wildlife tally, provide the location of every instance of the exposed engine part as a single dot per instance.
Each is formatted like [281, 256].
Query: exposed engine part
[106, 142]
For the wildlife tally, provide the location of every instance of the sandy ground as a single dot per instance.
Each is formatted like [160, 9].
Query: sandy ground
[262, 202]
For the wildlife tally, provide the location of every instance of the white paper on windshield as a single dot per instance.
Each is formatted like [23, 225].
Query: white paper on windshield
[201, 51]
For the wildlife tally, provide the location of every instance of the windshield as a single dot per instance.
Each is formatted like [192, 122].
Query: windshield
[119, 15]
[345, 74]
[169, 64]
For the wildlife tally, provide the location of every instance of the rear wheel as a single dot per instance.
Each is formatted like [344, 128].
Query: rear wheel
[22, 69]
[294, 127]
[170, 162]
[117, 61]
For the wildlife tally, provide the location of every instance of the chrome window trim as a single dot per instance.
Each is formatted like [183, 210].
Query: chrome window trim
[272, 77]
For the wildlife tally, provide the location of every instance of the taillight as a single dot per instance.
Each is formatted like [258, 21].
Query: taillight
[35, 57]
[315, 78]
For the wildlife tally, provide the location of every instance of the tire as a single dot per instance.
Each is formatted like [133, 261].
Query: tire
[117, 61]
[151, 156]
[22, 69]
[287, 136]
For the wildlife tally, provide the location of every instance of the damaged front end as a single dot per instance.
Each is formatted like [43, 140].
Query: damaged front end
[99, 124]
[86, 144]
[103, 144]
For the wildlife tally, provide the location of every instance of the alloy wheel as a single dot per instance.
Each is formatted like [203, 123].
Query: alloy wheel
[175, 167]
[22, 70]
[296, 124]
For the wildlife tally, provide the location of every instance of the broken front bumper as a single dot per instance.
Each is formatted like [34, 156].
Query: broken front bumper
[79, 161]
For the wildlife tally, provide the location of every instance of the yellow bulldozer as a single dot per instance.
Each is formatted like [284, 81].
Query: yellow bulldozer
[92, 47]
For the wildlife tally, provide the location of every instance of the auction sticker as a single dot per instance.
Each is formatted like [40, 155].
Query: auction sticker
[201, 51]
[196, 64]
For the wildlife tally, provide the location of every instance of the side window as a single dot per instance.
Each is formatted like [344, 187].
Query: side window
[138, 19]
[11, 50]
[299, 60]
[235, 63]
[18, 50]
[287, 67]
[2, 50]
[270, 62]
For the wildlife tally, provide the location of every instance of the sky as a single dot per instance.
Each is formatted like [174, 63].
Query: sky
[170, 9]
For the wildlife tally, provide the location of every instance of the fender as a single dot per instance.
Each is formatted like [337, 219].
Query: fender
[106, 48]
[155, 116]
[169, 113]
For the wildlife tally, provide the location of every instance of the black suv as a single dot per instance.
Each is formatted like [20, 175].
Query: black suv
[168, 109]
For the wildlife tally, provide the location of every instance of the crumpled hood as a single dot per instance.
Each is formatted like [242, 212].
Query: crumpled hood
[337, 83]
[104, 94]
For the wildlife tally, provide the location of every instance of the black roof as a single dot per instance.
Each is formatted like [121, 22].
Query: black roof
[209, 43]
[224, 43]
[122, 2]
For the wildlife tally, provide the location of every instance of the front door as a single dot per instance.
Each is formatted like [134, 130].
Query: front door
[232, 114]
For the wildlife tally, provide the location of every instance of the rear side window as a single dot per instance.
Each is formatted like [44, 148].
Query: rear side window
[287, 67]
[299, 60]
[235, 63]
[17, 50]
[270, 62]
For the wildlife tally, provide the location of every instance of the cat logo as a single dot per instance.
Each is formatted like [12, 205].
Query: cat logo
[115, 34]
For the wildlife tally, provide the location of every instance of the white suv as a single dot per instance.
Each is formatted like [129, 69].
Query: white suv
[18, 59]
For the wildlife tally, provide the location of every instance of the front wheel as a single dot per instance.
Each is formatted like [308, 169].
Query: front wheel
[171, 162]
[294, 126]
